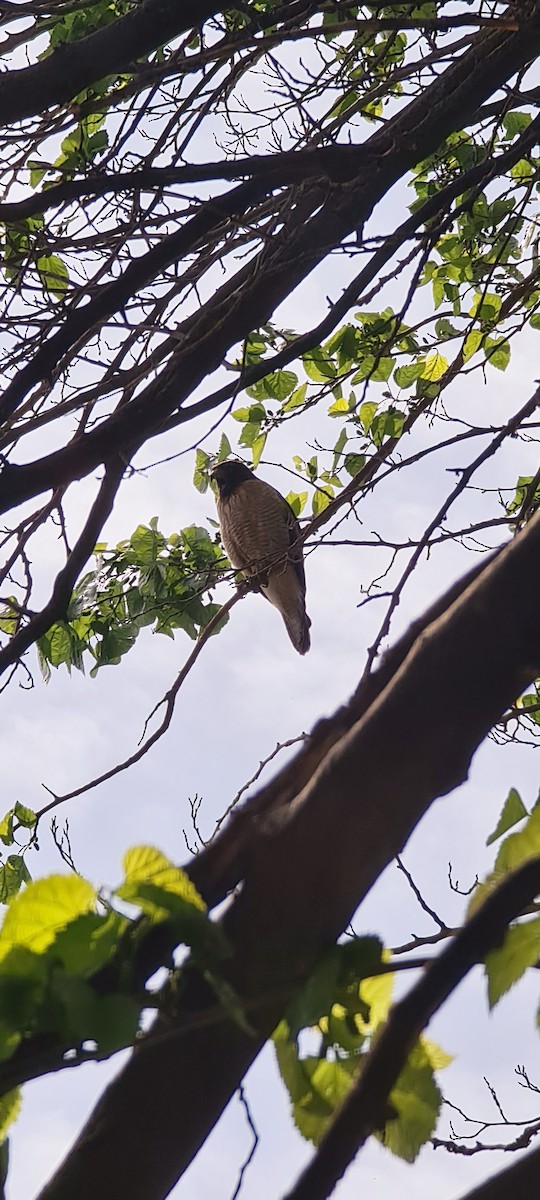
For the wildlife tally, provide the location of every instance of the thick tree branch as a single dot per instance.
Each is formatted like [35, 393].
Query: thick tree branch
[363, 1110]
[347, 824]
[218, 868]
[108, 51]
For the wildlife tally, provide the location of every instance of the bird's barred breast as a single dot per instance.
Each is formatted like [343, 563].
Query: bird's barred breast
[254, 525]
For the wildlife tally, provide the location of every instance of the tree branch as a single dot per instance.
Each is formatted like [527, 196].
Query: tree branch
[73, 67]
[65, 581]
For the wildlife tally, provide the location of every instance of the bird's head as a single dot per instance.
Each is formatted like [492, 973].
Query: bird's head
[229, 475]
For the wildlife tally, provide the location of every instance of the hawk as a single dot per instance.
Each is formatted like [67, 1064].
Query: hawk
[259, 531]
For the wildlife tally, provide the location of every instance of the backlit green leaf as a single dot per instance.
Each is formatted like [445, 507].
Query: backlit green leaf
[144, 864]
[417, 1100]
[10, 1106]
[46, 906]
[506, 964]
[54, 274]
[513, 811]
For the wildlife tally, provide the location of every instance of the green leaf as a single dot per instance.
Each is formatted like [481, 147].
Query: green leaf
[315, 1086]
[37, 170]
[22, 982]
[377, 995]
[54, 274]
[506, 964]
[114, 1022]
[522, 170]
[146, 544]
[280, 384]
[318, 366]
[386, 423]
[344, 965]
[257, 448]
[9, 618]
[6, 828]
[382, 369]
[486, 306]
[330, 1081]
[201, 473]
[297, 399]
[316, 997]
[497, 352]
[515, 122]
[320, 500]
[438, 1058]
[13, 874]
[367, 413]
[255, 413]
[25, 816]
[297, 501]
[417, 1101]
[34, 917]
[339, 407]
[10, 1107]
[517, 848]
[146, 865]
[405, 377]
[225, 450]
[59, 644]
[434, 367]
[338, 449]
[354, 463]
[472, 343]
[88, 942]
[513, 810]
[251, 431]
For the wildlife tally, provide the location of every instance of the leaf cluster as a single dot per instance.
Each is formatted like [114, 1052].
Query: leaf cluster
[147, 580]
[74, 963]
[343, 1006]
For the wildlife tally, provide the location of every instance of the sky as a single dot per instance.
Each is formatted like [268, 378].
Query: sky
[248, 693]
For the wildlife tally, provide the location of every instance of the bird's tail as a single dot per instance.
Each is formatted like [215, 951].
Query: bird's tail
[282, 590]
[297, 626]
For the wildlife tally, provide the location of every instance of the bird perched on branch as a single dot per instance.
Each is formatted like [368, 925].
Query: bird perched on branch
[260, 533]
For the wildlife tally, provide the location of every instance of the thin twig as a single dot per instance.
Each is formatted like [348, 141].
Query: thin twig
[168, 700]
[255, 1142]
[423, 903]
[245, 787]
